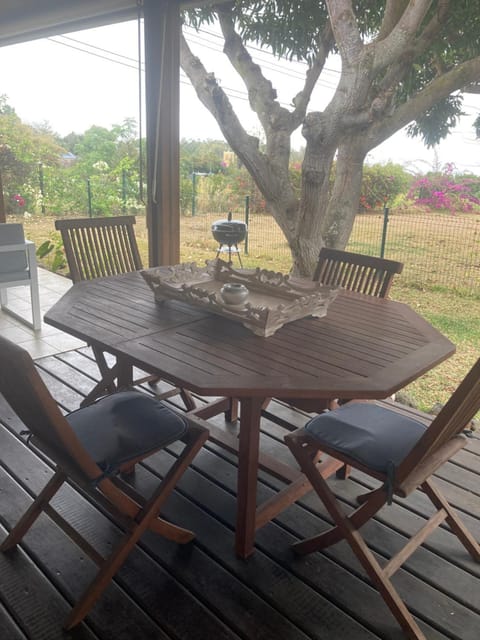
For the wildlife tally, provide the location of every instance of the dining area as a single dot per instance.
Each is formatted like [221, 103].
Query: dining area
[242, 493]
[178, 466]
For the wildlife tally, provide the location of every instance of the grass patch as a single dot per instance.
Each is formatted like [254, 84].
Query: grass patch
[456, 317]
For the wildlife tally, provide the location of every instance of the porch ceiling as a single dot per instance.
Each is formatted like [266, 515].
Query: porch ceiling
[24, 20]
[31, 19]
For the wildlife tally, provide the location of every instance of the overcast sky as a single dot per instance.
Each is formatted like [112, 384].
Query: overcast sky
[91, 77]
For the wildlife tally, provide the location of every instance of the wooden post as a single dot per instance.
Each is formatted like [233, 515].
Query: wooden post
[162, 74]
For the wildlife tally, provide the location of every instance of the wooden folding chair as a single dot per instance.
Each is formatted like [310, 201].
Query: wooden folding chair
[402, 453]
[353, 272]
[356, 272]
[90, 447]
[100, 247]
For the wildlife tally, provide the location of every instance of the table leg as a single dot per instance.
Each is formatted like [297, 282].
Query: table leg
[249, 444]
[125, 374]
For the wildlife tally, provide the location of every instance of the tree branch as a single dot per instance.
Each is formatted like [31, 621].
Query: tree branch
[432, 29]
[261, 94]
[457, 79]
[302, 99]
[344, 25]
[411, 19]
[391, 15]
[217, 102]
[397, 69]
[402, 35]
[270, 172]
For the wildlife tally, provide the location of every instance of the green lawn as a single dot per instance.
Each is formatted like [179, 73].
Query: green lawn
[457, 317]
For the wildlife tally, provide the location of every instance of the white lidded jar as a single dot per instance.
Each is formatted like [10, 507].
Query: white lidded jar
[234, 293]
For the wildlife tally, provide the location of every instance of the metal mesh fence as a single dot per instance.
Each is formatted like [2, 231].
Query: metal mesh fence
[437, 249]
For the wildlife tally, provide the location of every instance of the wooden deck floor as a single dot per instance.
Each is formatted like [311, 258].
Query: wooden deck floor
[202, 591]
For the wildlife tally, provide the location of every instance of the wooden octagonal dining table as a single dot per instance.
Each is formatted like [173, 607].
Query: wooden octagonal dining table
[364, 347]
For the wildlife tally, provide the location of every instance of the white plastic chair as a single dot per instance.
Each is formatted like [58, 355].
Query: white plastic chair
[18, 267]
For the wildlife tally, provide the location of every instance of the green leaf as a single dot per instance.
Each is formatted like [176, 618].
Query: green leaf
[45, 248]
[58, 261]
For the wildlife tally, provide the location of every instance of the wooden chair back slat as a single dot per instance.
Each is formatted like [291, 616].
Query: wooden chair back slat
[356, 272]
[111, 258]
[99, 247]
[114, 250]
[94, 252]
[87, 254]
[123, 252]
[452, 420]
[104, 254]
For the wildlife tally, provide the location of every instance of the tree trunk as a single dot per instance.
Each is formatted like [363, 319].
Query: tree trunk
[343, 203]
[306, 240]
[367, 106]
[326, 214]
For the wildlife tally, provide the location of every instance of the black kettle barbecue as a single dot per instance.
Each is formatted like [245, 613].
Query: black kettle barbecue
[229, 233]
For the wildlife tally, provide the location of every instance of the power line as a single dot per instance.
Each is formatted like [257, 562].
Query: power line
[242, 95]
[267, 64]
[183, 78]
[92, 46]
[275, 67]
[253, 48]
[97, 55]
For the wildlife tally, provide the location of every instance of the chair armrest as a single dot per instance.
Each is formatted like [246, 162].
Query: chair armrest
[27, 246]
[4, 248]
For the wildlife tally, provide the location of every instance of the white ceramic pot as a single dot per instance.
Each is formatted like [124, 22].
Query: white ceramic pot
[234, 293]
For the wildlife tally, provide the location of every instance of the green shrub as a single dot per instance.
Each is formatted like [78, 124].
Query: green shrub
[381, 184]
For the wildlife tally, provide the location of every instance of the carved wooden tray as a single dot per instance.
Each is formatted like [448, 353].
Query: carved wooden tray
[274, 298]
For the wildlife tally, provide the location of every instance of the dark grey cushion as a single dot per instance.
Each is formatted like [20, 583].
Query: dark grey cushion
[372, 435]
[120, 427]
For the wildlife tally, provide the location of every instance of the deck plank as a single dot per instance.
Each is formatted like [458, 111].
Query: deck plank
[8, 627]
[338, 579]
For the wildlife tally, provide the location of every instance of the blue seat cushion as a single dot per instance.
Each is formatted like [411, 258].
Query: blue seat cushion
[125, 425]
[367, 433]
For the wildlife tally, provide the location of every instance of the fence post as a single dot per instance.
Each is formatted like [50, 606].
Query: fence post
[3, 211]
[194, 192]
[89, 197]
[42, 186]
[384, 231]
[124, 191]
[247, 220]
